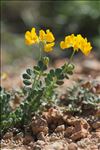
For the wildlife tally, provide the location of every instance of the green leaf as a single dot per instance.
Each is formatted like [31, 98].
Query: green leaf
[64, 66]
[70, 72]
[42, 66]
[61, 77]
[44, 74]
[8, 96]
[59, 82]
[47, 81]
[29, 72]
[36, 68]
[52, 72]
[26, 82]
[49, 77]
[58, 71]
[1, 89]
[26, 76]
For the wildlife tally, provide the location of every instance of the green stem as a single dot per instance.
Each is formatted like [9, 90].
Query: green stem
[71, 57]
[36, 79]
[48, 88]
[40, 48]
[40, 53]
[34, 82]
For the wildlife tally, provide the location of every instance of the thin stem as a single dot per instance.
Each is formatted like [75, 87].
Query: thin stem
[34, 82]
[40, 48]
[71, 57]
[36, 79]
[40, 53]
[48, 88]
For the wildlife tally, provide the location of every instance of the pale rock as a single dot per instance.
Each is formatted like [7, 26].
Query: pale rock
[72, 146]
[96, 125]
[60, 128]
[39, 125]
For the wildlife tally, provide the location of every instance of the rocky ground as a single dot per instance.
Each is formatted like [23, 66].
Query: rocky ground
[55, 130]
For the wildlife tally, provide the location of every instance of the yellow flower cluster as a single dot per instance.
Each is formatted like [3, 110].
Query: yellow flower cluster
[46, 38]
[76, 42]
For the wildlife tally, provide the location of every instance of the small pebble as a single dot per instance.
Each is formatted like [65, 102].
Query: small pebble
[37, 147]
[72, 146]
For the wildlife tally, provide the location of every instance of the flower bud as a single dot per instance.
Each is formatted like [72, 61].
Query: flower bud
[46, 60]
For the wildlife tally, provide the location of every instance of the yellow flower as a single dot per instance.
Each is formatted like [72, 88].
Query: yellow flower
[70, 39]
[69, 42]
[86, 48]
[77, 43]
[48, 47]
[42, 35]
[31, 37]
[63, 45]
[47, 38]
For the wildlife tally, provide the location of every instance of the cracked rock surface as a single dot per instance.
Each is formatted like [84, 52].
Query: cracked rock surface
[55, 130]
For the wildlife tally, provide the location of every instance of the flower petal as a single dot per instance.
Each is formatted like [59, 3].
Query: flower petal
[42, 35]
[49, 36]
[48, 47]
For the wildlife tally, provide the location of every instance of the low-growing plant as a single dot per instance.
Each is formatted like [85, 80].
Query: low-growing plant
[39, 83]
[8, 116]
[81, 98]
[5, 109]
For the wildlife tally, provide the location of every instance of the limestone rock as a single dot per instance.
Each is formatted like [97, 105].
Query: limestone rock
[69, 131]
[60, 128]
[72, 146]
[80, 134]
[39, 125]
[96, 125]
[27, 139]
